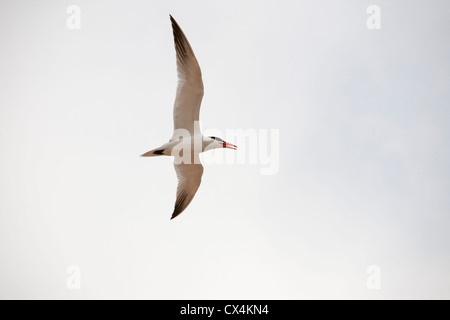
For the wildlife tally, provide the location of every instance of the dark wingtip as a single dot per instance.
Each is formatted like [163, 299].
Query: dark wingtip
[174, 23]
[176, 212]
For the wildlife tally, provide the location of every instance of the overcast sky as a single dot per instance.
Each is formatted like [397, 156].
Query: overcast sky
[363, 177]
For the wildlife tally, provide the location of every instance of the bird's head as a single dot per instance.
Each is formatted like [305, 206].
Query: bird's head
[217, 143]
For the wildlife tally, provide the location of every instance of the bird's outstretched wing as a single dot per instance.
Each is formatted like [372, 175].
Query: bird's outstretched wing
[189, 179]
[190, 85]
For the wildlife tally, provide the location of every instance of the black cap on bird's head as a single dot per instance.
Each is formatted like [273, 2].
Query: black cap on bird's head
[224, 144]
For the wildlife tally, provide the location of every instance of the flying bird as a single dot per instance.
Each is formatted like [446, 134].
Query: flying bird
[187, 141]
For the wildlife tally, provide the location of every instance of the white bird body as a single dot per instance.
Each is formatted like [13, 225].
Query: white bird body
[187, 142]
[193, 145]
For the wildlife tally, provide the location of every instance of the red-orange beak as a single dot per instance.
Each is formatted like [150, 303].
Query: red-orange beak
[229, 146]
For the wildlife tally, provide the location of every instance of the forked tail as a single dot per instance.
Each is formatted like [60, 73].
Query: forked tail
[154, 153]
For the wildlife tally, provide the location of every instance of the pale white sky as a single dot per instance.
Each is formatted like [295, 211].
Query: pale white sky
[363, 175]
